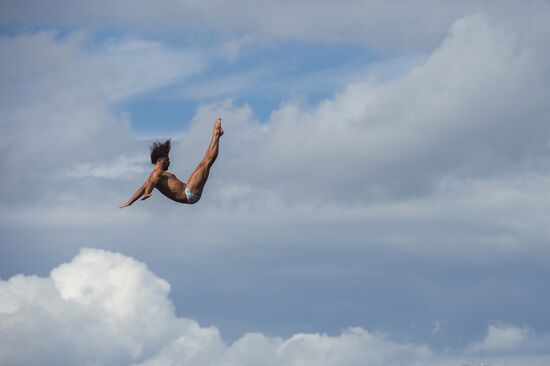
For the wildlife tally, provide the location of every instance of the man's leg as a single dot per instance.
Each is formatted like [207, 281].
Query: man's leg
[196, 181]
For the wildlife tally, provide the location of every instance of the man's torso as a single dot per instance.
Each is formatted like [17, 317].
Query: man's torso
[170, 186]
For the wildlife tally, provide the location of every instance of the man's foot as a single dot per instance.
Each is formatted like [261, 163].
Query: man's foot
[218, 127]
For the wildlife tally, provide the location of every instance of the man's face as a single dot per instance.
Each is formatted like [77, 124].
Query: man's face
[165, 163]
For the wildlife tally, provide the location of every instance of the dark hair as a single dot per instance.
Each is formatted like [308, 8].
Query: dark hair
[159, 149]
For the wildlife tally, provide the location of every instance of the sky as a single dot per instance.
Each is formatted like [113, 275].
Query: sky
[381, 195]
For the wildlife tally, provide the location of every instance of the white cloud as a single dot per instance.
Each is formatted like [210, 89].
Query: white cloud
[446, 142]
[106, 308]
[443, 120]
[80, 68]
[381, 24]
[121, 167]
[56, 98]
[100, 308]
[232, 48]
[354, 346]
[448, 162]
[503, 338]
[226, 85]
[436, 329]
[472, 110]
[508, 339]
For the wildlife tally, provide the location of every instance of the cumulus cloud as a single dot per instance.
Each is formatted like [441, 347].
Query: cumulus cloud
[472, 110]
[106, 308]
[502, 337]
[101, 308]
[507, 338]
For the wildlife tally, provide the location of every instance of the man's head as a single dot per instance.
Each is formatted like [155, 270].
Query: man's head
[159, 153]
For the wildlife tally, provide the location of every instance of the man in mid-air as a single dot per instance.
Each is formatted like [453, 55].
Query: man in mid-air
[167, 183]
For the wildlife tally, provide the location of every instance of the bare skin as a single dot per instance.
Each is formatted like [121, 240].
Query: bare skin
[170, 186]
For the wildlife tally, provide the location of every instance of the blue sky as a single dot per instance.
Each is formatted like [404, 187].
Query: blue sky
[381, 194]
[264, 77]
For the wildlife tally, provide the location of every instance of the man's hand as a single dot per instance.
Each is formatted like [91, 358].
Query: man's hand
[135, 197]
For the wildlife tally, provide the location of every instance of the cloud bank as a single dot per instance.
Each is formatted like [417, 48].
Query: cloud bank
[471, 112]
[106, 308]
[412, 25]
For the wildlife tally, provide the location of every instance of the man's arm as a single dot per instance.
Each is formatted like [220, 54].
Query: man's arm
[150, 184]
[146, 189]
[136, 195]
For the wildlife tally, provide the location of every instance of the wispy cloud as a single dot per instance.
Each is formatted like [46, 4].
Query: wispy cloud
[231, 49]
[122, 167]
[409, 26]
[225, 86]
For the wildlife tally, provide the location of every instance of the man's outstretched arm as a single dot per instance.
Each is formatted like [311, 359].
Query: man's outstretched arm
[135, 197]
[146, 189]
[150, 184]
